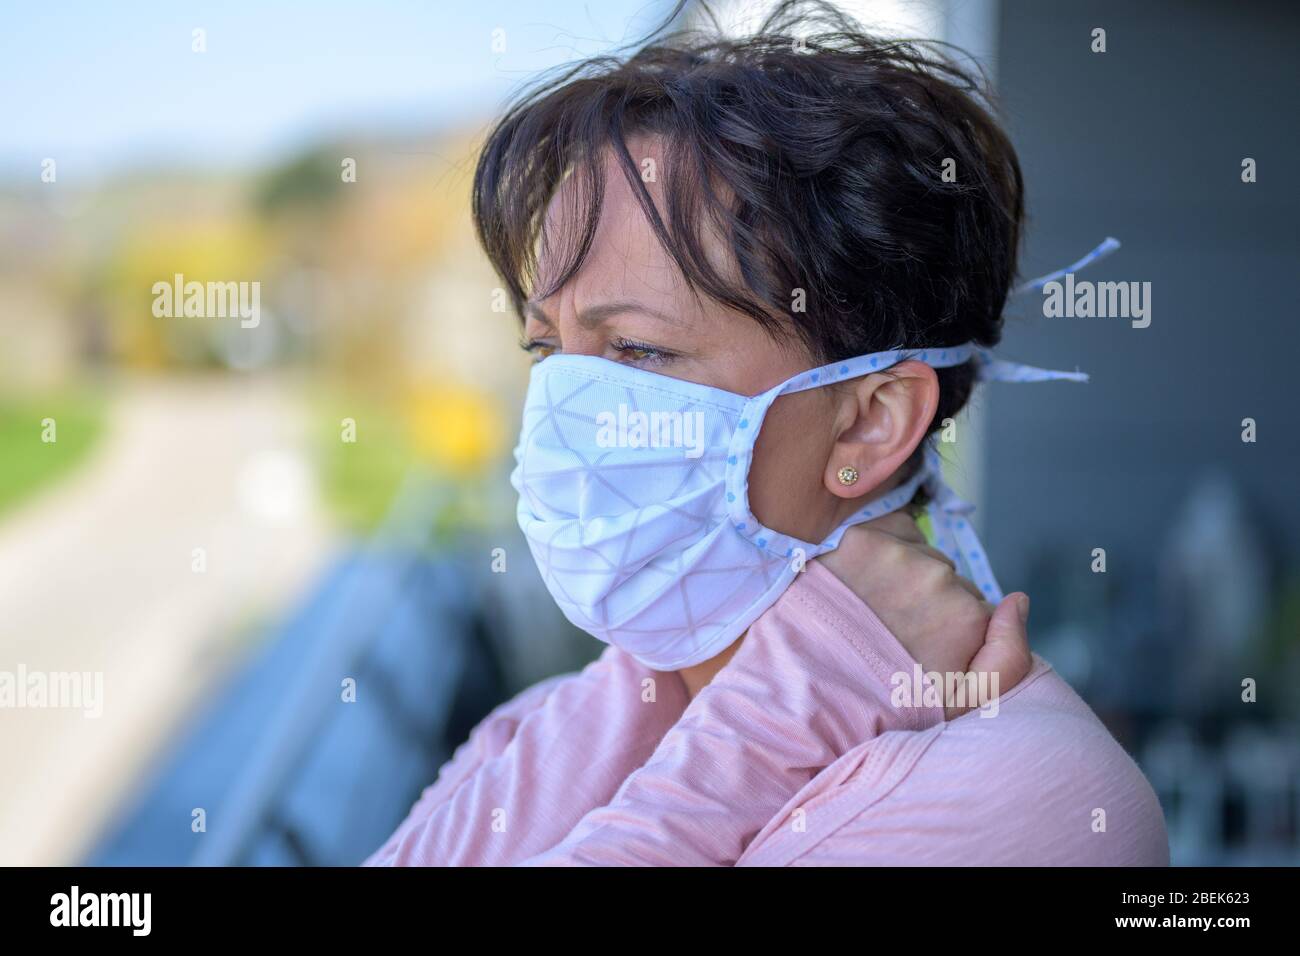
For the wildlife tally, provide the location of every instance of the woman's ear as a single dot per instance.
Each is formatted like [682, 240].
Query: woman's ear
[887, 415]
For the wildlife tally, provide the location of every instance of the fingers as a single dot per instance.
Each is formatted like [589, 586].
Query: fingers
[967, 586]
[974, 591]
[1005, 651]
[936, 554]
[908, 542]
[1006, 643]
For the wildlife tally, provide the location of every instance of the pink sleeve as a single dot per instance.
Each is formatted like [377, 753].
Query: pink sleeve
[1042, 783]
[526, 775]
[810, 681]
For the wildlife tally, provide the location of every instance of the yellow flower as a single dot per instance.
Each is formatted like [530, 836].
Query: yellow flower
[455, 427]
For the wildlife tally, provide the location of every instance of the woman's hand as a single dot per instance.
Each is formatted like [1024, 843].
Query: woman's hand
[938, 616]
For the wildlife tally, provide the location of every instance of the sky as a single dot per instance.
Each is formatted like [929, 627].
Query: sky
[102, 86]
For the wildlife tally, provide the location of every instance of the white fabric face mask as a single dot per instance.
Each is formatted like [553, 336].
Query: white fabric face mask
[633, 496]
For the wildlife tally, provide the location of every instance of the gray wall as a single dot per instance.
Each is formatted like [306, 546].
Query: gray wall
[1145, 142]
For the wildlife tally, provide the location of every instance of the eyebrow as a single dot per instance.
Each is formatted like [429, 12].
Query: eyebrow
[597, 314]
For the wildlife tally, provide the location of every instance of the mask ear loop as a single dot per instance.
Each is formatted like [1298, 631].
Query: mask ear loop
[740, 450]
[949, 513]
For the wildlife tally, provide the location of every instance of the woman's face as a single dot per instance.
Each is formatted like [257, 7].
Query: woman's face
[629, 303]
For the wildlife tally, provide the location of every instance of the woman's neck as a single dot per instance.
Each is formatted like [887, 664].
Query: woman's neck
[697, 676]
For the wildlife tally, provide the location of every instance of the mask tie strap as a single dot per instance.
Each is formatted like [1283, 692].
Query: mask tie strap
[990, 368]
[1108, 245]
[949, 513]
[954, 534]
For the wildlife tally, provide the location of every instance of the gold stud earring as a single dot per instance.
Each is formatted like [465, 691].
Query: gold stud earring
[848, 475]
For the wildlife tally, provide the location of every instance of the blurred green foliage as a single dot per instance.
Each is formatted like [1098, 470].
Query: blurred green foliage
[310, 181]
[359, 479]
[30, 463]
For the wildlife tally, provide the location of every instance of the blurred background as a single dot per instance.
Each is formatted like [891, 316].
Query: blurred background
[230, 531]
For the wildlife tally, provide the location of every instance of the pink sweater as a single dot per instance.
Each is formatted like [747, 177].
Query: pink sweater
[792, 755]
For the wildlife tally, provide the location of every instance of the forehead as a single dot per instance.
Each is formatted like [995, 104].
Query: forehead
[624, 245]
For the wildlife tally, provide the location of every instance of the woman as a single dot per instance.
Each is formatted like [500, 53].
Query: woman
[758, 278]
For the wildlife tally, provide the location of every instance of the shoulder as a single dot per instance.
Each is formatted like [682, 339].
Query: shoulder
[1042, 782]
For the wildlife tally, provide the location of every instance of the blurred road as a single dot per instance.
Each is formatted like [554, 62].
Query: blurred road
[99, 575]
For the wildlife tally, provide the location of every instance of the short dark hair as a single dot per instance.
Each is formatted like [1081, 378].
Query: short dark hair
[815, 149]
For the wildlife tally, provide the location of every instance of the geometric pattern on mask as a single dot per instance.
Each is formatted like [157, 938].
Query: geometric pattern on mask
[631, 533]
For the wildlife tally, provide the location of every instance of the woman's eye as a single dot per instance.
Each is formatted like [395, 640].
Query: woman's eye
[538, 350]
[636, 353]
[640, 353]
